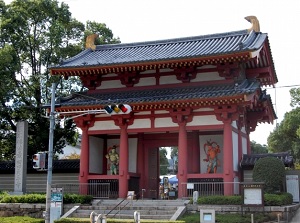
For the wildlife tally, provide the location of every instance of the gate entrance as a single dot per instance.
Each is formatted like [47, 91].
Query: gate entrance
[153, 172]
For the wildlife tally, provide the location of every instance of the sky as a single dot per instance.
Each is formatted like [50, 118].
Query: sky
[147, 20]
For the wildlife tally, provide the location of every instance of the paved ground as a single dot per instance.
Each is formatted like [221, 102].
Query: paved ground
[296, 218]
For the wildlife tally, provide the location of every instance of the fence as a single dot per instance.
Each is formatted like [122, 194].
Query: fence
[97, 190]
[109, 190]
[208, 188]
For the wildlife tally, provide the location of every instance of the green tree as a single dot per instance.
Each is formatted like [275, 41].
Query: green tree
[271, 171]
[295, 97]
[257, 148]
[174, 157]
[163, 161]
[35, 34]
[285, 136]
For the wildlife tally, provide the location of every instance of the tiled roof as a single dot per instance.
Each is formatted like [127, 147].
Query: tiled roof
[171, 49]
[60, 166]
[249, 160]
[211, 92]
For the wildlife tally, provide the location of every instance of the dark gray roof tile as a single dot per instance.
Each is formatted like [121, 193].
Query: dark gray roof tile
[180, 48]
[248, 161]
[161, 95]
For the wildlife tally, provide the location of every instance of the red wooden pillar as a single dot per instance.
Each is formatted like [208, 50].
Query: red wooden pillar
[123, 163]
[182, 116]
[123, 121]
[227, 114]
[182, 158]
[84, 123]
[228, 159]
[84, 156]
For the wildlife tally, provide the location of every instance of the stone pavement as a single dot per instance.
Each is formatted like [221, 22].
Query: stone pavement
[296, 218]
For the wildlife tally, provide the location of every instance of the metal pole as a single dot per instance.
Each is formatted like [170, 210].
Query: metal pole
[50, 154]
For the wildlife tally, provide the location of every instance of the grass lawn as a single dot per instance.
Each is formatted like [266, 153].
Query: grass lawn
[229, 218]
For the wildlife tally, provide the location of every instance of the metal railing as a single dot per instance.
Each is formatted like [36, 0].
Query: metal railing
[208, 188]
[97, 190]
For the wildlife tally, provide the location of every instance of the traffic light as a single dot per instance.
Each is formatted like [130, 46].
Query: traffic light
[39, 160]
[117, 109]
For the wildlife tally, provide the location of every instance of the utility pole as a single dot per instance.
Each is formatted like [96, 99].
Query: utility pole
[50, 154]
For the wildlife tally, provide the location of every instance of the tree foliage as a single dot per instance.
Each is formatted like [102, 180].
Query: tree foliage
[163, 161]
[285, 136]
[271, 171]
[35, 34]
[257, 148]
[174, 157]
[295, 97]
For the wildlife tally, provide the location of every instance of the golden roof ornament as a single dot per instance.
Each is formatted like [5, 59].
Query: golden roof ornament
[90, 41]
[255, 23]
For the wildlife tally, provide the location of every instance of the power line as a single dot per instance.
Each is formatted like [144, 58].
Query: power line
[284, 86]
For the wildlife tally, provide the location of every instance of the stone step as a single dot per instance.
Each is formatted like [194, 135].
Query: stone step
[133, 207]
[124, 209]
[141, 202]
[125, 216]
[129, 211]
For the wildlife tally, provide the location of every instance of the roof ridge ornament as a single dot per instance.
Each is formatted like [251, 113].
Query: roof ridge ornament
[90, 41]
[255, 23]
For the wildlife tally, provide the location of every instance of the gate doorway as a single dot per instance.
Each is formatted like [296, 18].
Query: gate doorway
[153, 172]
[152, 145]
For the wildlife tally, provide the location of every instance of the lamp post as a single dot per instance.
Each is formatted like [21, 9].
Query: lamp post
[50, 154]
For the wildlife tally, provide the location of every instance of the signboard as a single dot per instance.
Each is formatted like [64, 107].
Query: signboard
[292, 186]
[252, 194]
[57, 199]
[190, 186]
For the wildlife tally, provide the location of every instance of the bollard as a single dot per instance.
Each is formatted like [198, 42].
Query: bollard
[136, 217]
[252, 218]
[92, 217]
[278, 218]
[101, 218]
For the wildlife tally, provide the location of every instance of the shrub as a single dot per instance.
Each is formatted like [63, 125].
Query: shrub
[269, 200]
[79, 199]
[278, 199]
[20, 219]
[41, 198]
[220, 200]
[271, 171]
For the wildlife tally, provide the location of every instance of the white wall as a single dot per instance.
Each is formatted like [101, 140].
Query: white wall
[244, 145]
[96, 155]
[235, 150]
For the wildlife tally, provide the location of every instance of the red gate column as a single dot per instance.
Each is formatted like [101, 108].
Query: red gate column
[123, 122]
[123, 163]
[182, 159]
[228, 158]
[182, 116]
[227, 114]
[84, 123]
